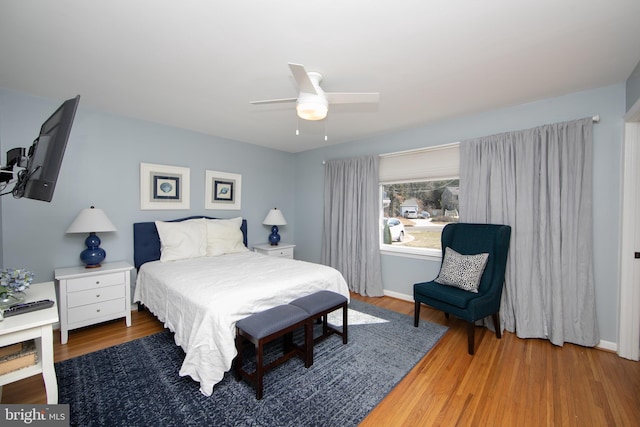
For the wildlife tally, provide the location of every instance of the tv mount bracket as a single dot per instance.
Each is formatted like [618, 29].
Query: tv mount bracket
[15, 157]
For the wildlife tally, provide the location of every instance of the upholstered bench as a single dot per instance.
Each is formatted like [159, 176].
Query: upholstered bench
[318, 305]
[264, 327]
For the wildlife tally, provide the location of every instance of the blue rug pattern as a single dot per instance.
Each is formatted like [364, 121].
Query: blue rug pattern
[137, 383]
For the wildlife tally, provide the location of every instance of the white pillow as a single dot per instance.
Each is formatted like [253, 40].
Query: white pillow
[224, 236]
[182, 240]
[462, 271]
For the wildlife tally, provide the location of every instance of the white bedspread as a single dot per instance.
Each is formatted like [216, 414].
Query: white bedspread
[201, 300]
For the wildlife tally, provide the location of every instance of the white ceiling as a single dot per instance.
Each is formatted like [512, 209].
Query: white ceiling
[196, 64]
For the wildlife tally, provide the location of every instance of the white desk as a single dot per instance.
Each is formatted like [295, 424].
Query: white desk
[36, 325]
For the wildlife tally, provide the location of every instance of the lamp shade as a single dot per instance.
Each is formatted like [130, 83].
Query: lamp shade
[91, 220]
[275, 217]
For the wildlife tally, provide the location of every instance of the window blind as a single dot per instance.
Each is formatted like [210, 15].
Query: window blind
[433, 163]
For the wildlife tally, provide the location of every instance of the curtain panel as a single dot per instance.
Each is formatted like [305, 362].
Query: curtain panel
[539, 181]
[350, 240]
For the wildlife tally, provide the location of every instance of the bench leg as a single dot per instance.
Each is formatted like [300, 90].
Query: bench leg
[345, 310]
[238, 362]
[308, 344]
[259, 369]
[325, 325]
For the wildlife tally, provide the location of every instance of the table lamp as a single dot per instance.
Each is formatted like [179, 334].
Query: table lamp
[92, 221]
[274, 218]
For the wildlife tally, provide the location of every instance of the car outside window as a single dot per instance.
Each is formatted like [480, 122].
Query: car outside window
[410, 214]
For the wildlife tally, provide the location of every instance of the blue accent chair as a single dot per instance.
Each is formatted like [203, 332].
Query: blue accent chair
[470, 239]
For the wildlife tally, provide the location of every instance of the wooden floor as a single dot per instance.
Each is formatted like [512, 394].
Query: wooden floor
[509, 382]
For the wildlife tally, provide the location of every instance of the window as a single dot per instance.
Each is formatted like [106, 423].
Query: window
[416, 212]
[418, 197]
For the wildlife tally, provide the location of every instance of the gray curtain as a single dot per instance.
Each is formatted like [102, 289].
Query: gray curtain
[539, 181]
[350, 241]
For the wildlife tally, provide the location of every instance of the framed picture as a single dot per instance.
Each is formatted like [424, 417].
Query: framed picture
[222, 190]
[164, 187]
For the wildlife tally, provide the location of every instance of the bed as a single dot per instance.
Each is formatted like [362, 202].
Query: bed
[200, 298]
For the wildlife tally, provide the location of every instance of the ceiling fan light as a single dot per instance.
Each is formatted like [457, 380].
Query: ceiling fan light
[312, 110]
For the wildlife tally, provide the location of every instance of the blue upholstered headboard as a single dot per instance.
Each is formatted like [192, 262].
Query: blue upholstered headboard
[146, 241]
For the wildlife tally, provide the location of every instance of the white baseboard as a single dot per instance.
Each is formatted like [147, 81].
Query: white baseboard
[398, 295]
[607, 345]
[602, 345]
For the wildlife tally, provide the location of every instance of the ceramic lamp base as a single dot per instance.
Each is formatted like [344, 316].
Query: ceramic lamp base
[274, 237]
[94, 254]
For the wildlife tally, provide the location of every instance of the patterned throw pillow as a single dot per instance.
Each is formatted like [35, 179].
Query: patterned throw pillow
[462, 271]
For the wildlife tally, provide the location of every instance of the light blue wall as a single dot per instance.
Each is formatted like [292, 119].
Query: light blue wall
[101, 168]
[633, 87]
[400, 273]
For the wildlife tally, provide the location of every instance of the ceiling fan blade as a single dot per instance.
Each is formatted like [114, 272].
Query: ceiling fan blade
[352, 97]
[273, 101]
[302, 78]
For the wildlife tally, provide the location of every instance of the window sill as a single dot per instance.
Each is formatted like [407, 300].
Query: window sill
[425, 254]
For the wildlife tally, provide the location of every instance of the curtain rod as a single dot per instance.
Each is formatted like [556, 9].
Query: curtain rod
[596, 119]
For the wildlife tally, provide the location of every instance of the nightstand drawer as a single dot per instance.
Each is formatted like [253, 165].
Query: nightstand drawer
[284, 250]
[92, 296]
[284, 253]
[94, 311]
[84, 283]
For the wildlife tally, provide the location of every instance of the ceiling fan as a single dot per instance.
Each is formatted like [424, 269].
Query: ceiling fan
[312, 102]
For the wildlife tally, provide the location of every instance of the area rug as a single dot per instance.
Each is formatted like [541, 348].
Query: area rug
[137, 383]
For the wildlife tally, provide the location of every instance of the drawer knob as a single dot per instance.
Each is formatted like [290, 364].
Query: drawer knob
[98, 311]
[97, 282]
[97, 295]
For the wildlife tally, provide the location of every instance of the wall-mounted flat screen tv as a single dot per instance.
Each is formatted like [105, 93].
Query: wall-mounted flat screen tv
[38, 180]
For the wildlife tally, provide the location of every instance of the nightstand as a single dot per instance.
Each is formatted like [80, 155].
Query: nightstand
[283, 250]
[36, 325]
[92, 295]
